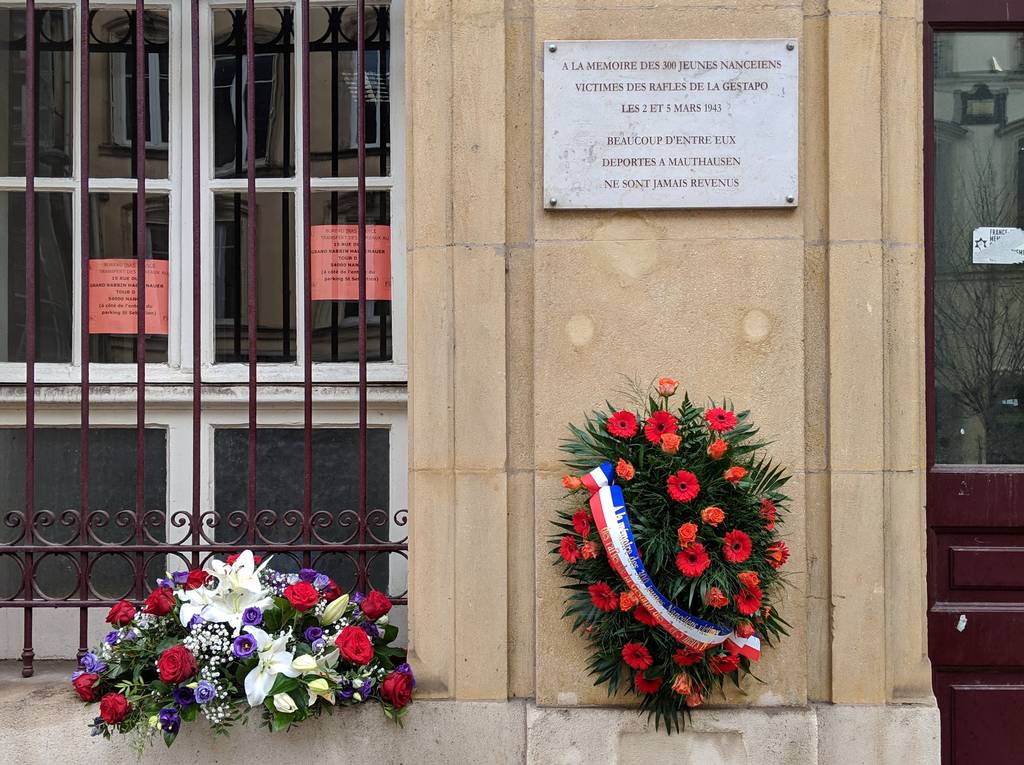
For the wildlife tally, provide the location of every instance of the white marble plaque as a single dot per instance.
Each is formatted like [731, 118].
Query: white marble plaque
[670, 123]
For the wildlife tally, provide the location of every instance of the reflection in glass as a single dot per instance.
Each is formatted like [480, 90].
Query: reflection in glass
[54, 284]
[275, 277]
[112, 94]
[54, 92]
[279, 470]
[275, 143]
[112, 229]
[979, 279]
[336, 322]
[333, 141]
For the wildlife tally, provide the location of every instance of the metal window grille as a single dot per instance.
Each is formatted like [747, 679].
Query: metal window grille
[194, 534]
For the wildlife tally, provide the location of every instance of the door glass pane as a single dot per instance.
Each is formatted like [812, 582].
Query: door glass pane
[979, 247]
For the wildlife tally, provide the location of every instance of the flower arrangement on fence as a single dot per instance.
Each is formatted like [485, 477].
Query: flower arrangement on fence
[671, 539]
[238, 636]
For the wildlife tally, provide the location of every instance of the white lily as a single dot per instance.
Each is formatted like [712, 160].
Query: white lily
[318, 689]
[304, 663]
[238, 588]
[230, 605]
[284, 703]
[273, 659]
[243, 574]
[334, 611]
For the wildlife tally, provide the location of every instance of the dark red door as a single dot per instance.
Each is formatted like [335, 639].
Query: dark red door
[974, 120]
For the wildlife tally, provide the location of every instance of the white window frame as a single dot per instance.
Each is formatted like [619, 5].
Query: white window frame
[178, 187]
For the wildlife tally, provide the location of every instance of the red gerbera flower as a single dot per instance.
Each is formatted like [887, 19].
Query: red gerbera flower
[644, 616]
[777, 554]
[722, 663]
[693, 561]
[720, 420]
[622, 424]
[581, 521]
[748, 600]
[737, 546]
[687, 657]
[768, 511]
[683, 486]
[637, 656]
[602, 596]
[568, 549]
[659, 423]
[643, 685]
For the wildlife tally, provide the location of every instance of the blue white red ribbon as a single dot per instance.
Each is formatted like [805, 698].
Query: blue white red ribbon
[612, 520]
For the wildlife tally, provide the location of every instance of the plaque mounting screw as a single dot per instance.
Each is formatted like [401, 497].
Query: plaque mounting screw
[552, 47]
[790, 198]
[552, 201]
[790, 46]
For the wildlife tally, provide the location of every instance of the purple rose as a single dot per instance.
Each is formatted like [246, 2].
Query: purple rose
[90, 663]
[370, 629]
[307, 574]
[131, 635]
[345, 692]
[313, 633]
[195, 621]
[169, 720]
[184, 696]
[244, 646]
[252, 616]
[111, 638]
[322, 581]
[165, 583]
[205, 692]
[366, 689]
[405, 669]
[358, 597]
[318, 645]
[180, 577]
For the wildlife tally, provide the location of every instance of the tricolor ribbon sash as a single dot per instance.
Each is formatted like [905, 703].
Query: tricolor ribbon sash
[612, 520]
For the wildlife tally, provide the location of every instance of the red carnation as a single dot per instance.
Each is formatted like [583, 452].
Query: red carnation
[256, 559]
[332, 591]
[160, 602]
[693, 561]
[637, 656]
[659, 423]
[589, 551]
[777, 554]
[643, 685]
[602, 596]
[302, 595]
[396, 689]
[768, 512]
[121, 613]
[645, 617]
[737, 546]
[720, 420]
[375, 605]
[176, 664]
[581, 521]
[114, 708]
[716, 598]
[354, 645]
[723, 663]
[744, 629]
[683, 486]
[196, 579]
[85, 686]
[687, 657]
[622, 424]
[748, 600]
[568, 549]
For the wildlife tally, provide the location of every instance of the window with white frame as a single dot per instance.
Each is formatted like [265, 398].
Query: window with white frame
[113, 206]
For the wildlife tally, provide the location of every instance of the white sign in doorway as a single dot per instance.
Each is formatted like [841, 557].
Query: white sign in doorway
[992, 245]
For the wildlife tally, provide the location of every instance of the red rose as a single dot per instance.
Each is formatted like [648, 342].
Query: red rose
[375, 605]
[196, 579]
[176, 664]
[85, 686]
[644, 616]
[396, 688]
[121, 613]
[354, 645]
[160, 602]
[114, 708]
[302, 595]
[332, 591]
[256, 559]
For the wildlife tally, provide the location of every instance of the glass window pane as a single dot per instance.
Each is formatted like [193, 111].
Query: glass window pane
[275, 277]
[111, 492]
[275, 86]
[336, 322]
[54, 283]
[332, 71]
[112, 102]
[54, 92]
[979, 247]
[279, 482]
[112, 229]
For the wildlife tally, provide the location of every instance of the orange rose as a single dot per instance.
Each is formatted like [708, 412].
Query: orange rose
[687, 534]
[589, 551]
[735, 474]
[667, 386]
[717, 449]
[670, 442]
[744, 629]
[627, 601]
[712, 515]
[571, 482]
[682, 685]
[625, 470]
[694, 700]
[715, 598]
[749, 578]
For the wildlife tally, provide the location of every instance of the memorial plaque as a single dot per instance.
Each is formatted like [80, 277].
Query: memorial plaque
[670, 123]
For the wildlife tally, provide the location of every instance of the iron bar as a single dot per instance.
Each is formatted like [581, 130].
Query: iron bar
[83, 447]
[307, 301]
[361, 201]
[197, 290]
[250, 172]
[140, 303]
